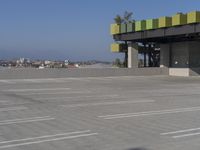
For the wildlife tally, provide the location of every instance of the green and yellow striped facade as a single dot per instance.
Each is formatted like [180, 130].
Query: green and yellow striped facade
[162, 22]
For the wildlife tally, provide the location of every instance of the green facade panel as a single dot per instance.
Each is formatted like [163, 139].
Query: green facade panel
[123, 28]
[118, 48]
[114, 29]
[151, 24]
[179, 19]
[140, 25]
[164, 22]
[193, 17]
[130, 27]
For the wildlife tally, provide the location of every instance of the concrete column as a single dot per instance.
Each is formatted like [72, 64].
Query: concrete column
[132, 55]
[165, 55]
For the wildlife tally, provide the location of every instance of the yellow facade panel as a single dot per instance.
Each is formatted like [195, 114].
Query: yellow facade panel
[164, 22]
[193, 17]
[179, 19]
[140, 25]
[115, 29]
[118, 48]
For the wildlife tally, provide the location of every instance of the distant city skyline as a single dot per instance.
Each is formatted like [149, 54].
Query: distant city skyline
[74, 30]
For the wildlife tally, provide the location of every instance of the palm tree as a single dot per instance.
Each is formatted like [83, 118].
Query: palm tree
[128, 17]
[118, 19]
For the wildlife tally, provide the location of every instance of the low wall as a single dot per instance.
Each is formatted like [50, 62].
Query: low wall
[184, 72]
[194, 71]
[31, 73]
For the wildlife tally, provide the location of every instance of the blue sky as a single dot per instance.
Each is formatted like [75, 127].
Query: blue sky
[72, 29]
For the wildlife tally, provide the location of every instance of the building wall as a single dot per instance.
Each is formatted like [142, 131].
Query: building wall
[180, 55]
[194, 54]
[165, 55]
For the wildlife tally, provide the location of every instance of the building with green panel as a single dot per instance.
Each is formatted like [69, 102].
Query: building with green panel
[179, 19]
[115, 29]
[140, 25]
[151, 24]
[130, 27]
[118, 47]
[123, 28]
[170, 43]
[164, 22]
[193, 17]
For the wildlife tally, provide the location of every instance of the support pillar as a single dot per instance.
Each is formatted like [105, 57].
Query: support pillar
[149, 56]
[145, 58]
[132, 55]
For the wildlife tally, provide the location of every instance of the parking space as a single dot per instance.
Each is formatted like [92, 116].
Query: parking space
[112, 113]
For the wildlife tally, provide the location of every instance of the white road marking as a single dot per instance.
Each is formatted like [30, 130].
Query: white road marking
[99, 79]
[186, 135]
[10, 103]
[39, 89]
[30, 80]
[48, 140]
[45, 136]
[34, 81]
[46, 80]
[109, 103]
[42, 139]
[52, 93]
[180, 131]
[150, 113]
[87, 96]
[12, 108]
[6, 81]
[64, 79]
[26, 120]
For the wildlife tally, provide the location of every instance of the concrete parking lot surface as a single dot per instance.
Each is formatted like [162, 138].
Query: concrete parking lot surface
[100, 113]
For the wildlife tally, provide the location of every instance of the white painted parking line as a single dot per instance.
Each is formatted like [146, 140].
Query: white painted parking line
[54, 93]
[45, 80]
[26, 120]
[79, 79]
[10, 103]
[7, 82]
[46, 138]
[186, 135]
[84, 96]
[38, 89]
[53, 80]
[180, 131]
[109, 103]
[183, 133]
[151, 113]
[13, 108]
[32, 80]
[99, 79]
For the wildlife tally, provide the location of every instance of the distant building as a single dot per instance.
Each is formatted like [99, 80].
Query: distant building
[66, 62]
